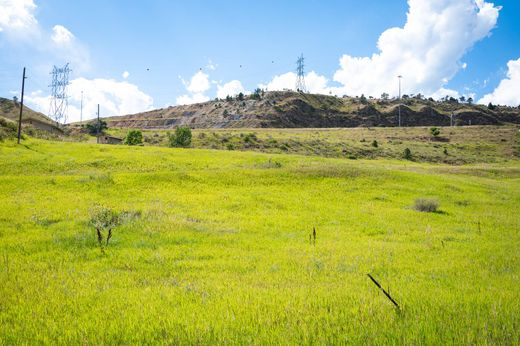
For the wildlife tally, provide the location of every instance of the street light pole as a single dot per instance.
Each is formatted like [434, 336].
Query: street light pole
[399, 99]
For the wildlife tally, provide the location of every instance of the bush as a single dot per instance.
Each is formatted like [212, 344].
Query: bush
[435, 131]
[426, 205]
[181, 138]
[375, 144]
[134, 137]
[103, 220]
[407, 154]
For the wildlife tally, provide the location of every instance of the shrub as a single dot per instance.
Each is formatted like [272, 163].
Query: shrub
[407, 154]
[375, 144]
[103, 220]
[426, 205]
[435, 131]
[134, 137]
[181, 138]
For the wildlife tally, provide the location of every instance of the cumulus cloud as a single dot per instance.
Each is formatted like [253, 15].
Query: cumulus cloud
[230, 89]
[17, 16]
[114, 98]
[198, 85]
[315, 83]
[507, 92]
[191, 99]
[61, 35]
[19, 24]
[126, 74]
[426, 51]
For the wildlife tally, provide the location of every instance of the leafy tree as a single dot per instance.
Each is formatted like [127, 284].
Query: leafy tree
[15, 100]
[97, 128]
[134, 137]
[462, 99]
[470, 100]
[181, 138]
[435, 131]
[491, 106]
[363, 99]
[240, 97]
[407, 154]
[256, 95]
[229, 98]
[384, 96]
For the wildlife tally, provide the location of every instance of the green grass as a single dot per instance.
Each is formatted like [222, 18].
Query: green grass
[220, 253]
[455, 145]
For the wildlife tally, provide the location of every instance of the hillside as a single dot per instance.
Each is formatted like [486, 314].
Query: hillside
[11, 111]
[297, 110]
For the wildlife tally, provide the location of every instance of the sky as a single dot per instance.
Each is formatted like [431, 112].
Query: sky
[131, 56]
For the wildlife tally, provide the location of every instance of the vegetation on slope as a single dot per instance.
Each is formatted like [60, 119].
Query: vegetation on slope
[297, 110]
[217, 249]
[452, 145]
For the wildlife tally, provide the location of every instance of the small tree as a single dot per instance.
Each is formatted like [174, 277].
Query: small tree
[103, 220]
[363, 99]
[491, 106]
[470, 100]
[15, 100]
[134, 137]
[375, 144]
[240, 97]
[181, 137]
[435, 131]
[407, 154]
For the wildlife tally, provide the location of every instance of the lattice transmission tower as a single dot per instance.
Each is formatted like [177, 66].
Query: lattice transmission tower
[59, 97]
[300, 71]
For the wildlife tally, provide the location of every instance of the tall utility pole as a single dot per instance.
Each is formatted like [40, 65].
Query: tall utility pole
[300, 71]
[451, 119]
[21, 108]
[98, 124]
[81, 109]
[399, 99]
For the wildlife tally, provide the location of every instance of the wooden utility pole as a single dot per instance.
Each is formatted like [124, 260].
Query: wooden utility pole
[21, 108]
[98, 124]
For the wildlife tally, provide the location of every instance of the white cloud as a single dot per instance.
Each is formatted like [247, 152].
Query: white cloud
[114, 98]
[191, 99]
[61, 35]
[198, 85]
[211, 66]
[126, 74]
[17, 16]
[315, 83]
[507, 92]
[230, 89]
[426, 51]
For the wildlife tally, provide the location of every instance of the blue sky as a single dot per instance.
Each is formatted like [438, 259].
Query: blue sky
[187, 51]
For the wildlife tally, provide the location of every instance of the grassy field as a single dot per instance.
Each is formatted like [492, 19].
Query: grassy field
[216, 248]
[454, 145]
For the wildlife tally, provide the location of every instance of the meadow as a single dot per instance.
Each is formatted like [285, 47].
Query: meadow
[216, 248]
[454, 145]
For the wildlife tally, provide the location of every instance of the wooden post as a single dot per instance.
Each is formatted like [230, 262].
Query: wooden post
[21, 108]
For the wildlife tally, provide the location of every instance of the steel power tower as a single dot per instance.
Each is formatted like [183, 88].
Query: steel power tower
[59, 97]
[300, 71]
